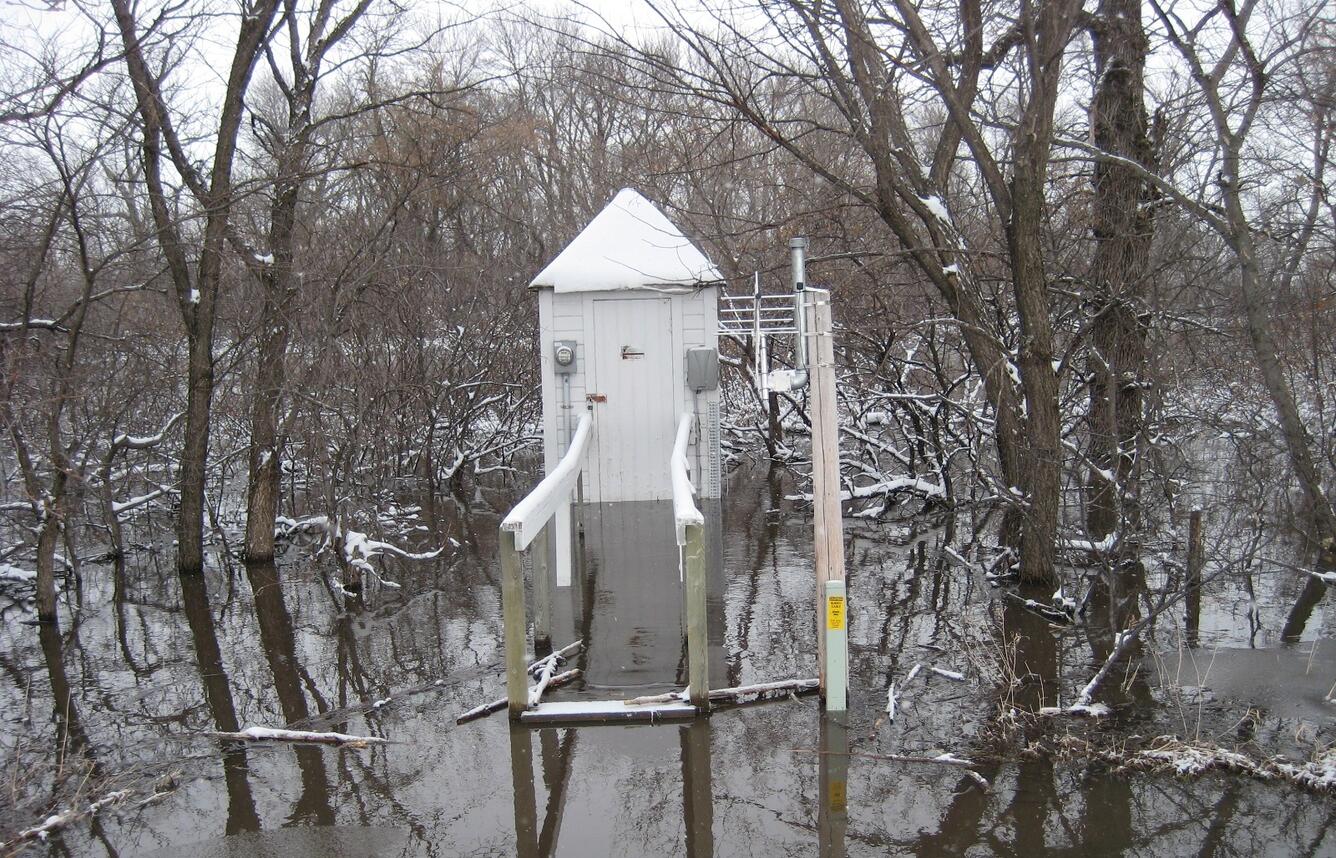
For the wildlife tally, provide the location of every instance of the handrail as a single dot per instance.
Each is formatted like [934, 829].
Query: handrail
[692, 568]
[530, 515]
[684, 506]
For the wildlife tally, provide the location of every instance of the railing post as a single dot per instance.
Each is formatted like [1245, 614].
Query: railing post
[542, 593]
[698, 642]
[513, 625]
[698, 665]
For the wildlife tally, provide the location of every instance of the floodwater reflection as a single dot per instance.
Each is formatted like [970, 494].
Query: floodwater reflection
[833, 815]
[142, 681]
[241, 813]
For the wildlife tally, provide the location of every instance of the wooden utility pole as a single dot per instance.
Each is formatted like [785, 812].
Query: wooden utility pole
[817, 327]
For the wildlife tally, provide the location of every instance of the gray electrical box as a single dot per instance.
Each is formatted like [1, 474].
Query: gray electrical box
[563, 356]
[702, 369]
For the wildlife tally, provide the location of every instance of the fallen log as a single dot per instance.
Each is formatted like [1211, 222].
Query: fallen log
[497, 705]
[946, 759]
[763, 690]
[652, 699]
[267, 734]
[760, 691]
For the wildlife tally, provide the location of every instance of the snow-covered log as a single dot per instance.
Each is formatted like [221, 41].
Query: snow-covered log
[764, 690]
[268, 734]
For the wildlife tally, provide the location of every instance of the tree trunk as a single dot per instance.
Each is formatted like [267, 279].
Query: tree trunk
[1298, 442]
[1042, 459]
[46, 563]
[1122, 226]
[266, 448]
[197, 298]
[195, 451]
[774, 426]
[115, 534]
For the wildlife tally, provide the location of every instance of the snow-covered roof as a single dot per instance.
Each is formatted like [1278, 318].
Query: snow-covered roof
[629, 245]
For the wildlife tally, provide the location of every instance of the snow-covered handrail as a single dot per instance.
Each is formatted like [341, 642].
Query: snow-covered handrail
[530, 515]
[684, 506]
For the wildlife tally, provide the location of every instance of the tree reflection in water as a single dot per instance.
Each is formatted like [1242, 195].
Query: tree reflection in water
[278, 653]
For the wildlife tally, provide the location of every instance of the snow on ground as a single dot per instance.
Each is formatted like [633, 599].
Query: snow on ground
[15, 574]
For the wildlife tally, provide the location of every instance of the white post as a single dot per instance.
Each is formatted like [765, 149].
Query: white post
[837, 647]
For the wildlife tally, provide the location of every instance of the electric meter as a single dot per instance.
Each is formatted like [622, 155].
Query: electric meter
[563, 353]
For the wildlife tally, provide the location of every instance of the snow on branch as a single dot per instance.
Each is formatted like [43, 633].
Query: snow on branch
[57, 821]
[119, 507]
[143, 442]
[31, 325]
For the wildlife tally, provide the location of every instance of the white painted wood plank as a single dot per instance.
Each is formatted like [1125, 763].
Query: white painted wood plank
[605, 710]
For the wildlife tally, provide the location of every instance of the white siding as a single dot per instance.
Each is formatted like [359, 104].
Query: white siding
[570, 316]
[561, 317]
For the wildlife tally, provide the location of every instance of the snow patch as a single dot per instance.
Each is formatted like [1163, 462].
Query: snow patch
[17, 575]
[628, 245]
[937, 208]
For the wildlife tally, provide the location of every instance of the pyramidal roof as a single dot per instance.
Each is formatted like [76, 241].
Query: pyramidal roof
[629, 245]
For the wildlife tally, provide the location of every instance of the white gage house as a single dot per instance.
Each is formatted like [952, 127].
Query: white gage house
[628, 318]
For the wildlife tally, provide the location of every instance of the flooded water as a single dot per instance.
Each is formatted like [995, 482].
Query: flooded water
[127, 691]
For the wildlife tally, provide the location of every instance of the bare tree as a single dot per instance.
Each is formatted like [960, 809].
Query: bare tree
[52, 418]
[860, 72]
[1122, 219]
[196, 286]
[1235, 77]
[310, 36]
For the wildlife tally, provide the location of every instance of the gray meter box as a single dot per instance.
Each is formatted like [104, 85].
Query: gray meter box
[563, 357]
[702, 369]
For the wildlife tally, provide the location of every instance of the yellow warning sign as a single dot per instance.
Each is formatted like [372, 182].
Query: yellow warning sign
[835, 613]
[838, 798]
